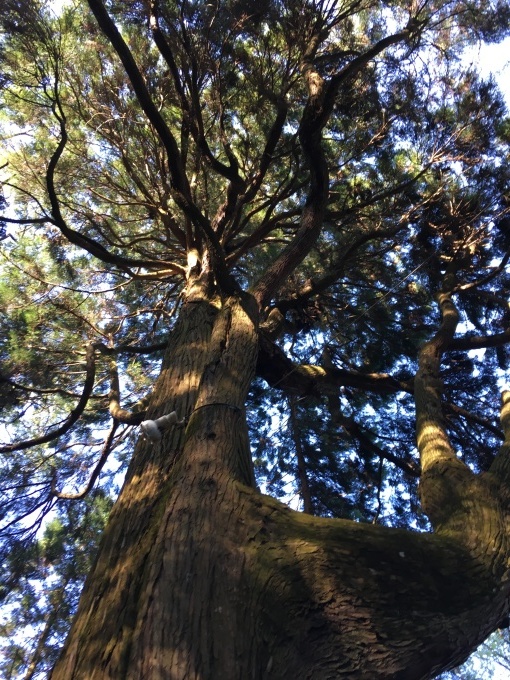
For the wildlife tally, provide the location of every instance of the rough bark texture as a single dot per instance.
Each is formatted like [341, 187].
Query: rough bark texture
[149, 575]
[200, 577]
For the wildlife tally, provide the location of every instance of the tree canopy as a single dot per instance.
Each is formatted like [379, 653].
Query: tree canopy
[338, 162]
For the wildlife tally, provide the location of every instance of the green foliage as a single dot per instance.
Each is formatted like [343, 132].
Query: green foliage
[41, 583]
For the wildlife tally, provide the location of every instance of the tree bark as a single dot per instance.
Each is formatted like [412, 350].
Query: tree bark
[160, 552]
[201, 577]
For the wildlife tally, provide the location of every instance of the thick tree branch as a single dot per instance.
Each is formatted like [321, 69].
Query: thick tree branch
[34, 220]
[489, 277]
[358, 63]
[433, 442]
[280, 372]
[310, 136]
[38, 390]
[130, 417]
[443, 474]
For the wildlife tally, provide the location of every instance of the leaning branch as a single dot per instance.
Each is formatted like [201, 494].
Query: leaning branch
[74, 237]
[357, 433]
[193, 115]
[36, 390]
[489, 277]
[473, 418]
[319, 106]
[358, 63]
[90, 364]
[480, 341]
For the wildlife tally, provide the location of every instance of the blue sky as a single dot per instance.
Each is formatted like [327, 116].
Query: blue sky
[494, 59]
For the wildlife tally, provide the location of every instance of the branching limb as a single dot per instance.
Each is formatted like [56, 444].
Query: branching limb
[269, 149]
[111, 31]
[38, 390]
[358, 63]
[193, 115]
[319, 106]
[32, 220]
[312, 216]
[181, 191]
[275, 367]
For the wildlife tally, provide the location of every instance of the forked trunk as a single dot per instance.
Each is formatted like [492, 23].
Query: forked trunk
[200, 577]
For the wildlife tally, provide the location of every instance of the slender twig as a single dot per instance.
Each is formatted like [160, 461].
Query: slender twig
[95, 473]
[73, 416]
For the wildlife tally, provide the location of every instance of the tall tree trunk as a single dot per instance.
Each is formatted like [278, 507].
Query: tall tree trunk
[159, 582]
[200, 577]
